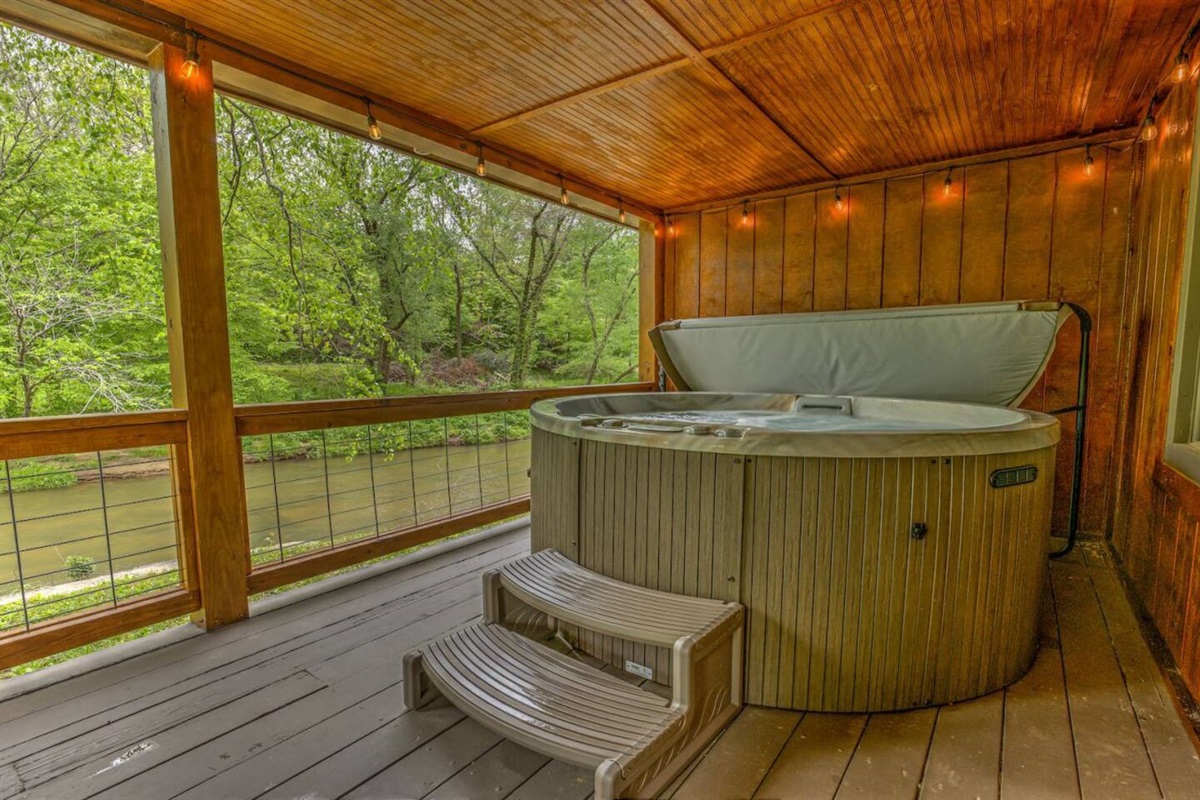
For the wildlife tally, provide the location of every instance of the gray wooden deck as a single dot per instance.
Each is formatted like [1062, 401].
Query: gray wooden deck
[305, 701]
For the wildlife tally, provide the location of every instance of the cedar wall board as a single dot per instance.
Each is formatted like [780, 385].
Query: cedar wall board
[1156, 528]
[1030, 228]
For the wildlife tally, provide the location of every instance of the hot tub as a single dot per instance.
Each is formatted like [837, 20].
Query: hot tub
[890, 553]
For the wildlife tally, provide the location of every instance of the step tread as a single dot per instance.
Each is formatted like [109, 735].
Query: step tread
[542, 698]
[551, 582]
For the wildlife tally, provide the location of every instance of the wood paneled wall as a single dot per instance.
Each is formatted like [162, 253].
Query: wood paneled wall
[1156, 529]
[1029, 228]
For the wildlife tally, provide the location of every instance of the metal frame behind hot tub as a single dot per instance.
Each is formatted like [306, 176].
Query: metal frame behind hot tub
[1080, 412]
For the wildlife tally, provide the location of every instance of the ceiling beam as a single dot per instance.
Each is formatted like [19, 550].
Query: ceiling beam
[717, 76]
[1111, 137]
[692, 55]
[582, 94]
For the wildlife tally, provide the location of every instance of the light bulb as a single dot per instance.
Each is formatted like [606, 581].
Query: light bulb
[564, 198]
[671, 225]
[838, 202]
[481, 166]
[191, 62]
[373, 129]
[947, 187]
[621, 211]
[1089, 163]
[1149, 129]
[1182, 63]
[746, 212]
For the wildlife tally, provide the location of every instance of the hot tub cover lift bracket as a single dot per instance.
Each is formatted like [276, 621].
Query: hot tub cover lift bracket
[1080, 411]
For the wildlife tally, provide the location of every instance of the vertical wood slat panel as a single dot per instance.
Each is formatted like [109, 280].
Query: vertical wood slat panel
[941, 241]
[686, 244]
[905, 198]
[799, 248]
[739, 261]
[713, 261]
[829, 269]
[768, 274]
[998, 235]
[669, 520]
[865, 247]
[984, 223]
[846, 611]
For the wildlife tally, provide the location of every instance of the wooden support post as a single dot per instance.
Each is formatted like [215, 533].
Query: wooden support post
[652, 258]
[185, 145]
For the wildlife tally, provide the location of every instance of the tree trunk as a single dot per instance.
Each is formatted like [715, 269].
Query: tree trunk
[520, 351]
[383, 364]
[458, 306]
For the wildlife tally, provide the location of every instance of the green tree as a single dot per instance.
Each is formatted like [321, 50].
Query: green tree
[81, 319]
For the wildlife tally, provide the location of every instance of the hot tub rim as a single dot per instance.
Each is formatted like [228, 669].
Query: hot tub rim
[1034, 432]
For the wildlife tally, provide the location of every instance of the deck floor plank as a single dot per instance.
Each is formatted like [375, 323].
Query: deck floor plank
[125, 760]
[890, 757]
[271, 765]
[96, 735]
[1038, 751]
[194, 665]
[1110, 751]
[964, 757]
[743, 756]
[815, 758]
[429, 766]
[495, 774]
[107, 687]
[361, 760]
[306, 701]
[1175, 760]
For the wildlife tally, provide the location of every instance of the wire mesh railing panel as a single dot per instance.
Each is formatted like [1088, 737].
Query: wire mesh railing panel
[85, 531]
[312, 490]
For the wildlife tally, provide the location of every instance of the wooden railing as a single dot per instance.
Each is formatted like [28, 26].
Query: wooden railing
[51, 607]
[354, 543]
[368, 491]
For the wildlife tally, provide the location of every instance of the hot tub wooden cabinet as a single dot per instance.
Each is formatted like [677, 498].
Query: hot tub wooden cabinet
[882, 568]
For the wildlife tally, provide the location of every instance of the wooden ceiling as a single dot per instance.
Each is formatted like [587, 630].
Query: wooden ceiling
[675, 102]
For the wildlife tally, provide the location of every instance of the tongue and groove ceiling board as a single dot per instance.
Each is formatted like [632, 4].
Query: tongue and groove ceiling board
[676, 102]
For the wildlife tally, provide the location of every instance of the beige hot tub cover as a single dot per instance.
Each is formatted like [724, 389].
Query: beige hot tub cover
[990, 353]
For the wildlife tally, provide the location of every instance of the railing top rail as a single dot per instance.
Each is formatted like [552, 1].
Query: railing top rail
[48, 436]
[255, 420]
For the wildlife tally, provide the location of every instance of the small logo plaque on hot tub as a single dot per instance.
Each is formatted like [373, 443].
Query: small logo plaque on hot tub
[1013, 476]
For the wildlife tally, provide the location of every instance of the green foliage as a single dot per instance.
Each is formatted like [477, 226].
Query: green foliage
[352, 269]
[81, 321]
[29, 475]
[80, 567]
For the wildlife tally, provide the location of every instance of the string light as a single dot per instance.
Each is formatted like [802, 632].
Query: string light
[191, 62]
[1149, 129]
[671, 225]
[1089, 163]
[373, 129]
[620, 210]
[480, 165]
[564, 197]
[838, 202]
[745, 212]
[1182, 62]
[948, 185]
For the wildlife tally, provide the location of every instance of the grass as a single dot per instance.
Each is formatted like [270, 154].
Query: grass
[69, 604]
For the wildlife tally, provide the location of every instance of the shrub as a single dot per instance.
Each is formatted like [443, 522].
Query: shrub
[80, 567]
